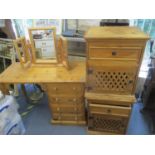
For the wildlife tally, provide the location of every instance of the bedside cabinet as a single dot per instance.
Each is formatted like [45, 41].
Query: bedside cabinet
[114, 56]
[108, 113]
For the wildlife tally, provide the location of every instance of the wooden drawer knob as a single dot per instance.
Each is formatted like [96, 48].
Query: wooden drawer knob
[108, 111]
[76, 118]
[74, 88]
[114, 53]
[57, 99]
[55, 88]
[74, 99]
[58, 109]
[59, 117]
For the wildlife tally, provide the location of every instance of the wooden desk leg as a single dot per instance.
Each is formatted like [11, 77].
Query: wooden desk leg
[4, 88]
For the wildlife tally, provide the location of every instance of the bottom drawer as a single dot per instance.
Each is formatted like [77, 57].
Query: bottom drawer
[68, 117]
[107, 123]
[81, 122]
[109, 110]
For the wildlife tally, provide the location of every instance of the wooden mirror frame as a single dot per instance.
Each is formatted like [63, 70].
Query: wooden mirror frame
[63, 51]
[55, 61]
[25, 60]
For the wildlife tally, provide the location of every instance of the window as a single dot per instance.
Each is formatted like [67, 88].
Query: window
[80, 24]
[22, 25]
[148, 26]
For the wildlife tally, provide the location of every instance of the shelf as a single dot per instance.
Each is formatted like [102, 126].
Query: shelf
[6, 57]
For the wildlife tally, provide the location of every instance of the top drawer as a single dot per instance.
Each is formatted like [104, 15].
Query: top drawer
[127, 53]
[71, 89]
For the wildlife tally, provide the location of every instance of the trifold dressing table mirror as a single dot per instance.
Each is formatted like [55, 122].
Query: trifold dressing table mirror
[47, 49]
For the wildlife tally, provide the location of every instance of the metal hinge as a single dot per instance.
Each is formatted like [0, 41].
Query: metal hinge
[89, 88]
[90, 71]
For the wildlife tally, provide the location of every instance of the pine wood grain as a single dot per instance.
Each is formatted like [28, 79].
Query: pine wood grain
[46, 74]
[109, 32]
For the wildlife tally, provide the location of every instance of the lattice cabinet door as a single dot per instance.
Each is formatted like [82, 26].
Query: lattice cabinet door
[111, 79]
[107, 124]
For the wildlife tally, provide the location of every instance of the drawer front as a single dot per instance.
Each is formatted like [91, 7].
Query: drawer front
[66, 100]
[73, 89]
[107, 124]
[42, 43]
[111, 78]
[114, 53]
[109, 110]
[68, 117]
[67, 109]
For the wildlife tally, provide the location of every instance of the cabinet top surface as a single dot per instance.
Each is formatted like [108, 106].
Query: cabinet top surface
[115, 32]
[40, 74]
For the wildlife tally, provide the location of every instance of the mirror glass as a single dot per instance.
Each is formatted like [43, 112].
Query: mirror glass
[44, 44]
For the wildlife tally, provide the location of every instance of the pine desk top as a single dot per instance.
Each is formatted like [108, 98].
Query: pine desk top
[40, 74]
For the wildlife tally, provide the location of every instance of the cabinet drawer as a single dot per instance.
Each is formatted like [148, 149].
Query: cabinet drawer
[114, 53]
[68, 117]
[67, 100]
[109, 110]
[73, 89]
[111, 77]
[67, 109]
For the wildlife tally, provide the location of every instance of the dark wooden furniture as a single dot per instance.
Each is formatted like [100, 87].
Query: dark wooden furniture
[148, 94]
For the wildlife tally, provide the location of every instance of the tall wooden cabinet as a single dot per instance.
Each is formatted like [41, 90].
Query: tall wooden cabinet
[114, 56]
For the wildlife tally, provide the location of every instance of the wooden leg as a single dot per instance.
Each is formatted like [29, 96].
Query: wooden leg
[4, 88]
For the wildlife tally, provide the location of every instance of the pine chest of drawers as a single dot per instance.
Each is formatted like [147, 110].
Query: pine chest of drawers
[66, 94]
[114, 56]
[67, 104]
